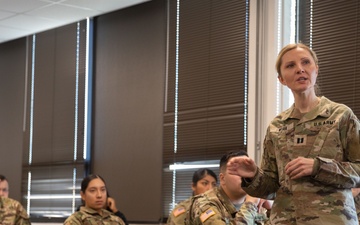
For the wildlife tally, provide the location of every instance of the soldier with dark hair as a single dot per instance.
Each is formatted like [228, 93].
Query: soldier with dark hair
[94, 194]
[4, 186]
[228, 203]
[202, 181]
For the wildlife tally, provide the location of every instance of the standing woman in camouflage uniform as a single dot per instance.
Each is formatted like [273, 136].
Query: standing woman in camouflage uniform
[202, 181]
[311, 157]
[93, 193]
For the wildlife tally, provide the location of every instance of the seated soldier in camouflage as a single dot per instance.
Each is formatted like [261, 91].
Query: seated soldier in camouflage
[94, 194]
[4, 186]
[12, 212]
[228, 203]
[203, 180]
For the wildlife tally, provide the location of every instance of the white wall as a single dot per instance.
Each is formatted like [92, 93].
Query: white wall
[267, 97]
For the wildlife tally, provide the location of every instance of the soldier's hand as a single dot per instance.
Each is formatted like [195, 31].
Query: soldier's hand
[242, 166]
[299, 167]
[111, 204]
[355, 191]
[267, 204]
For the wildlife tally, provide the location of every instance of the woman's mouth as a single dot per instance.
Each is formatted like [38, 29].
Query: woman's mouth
[302, 79]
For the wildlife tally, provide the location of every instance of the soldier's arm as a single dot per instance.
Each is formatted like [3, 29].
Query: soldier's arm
[23, 221]
[266, 174]
[342, 174]
[209, 215]
[22, 218]
[72, 220]
[177, 216]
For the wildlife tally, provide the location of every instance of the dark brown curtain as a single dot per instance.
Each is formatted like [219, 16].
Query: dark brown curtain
[54, 134]
[332, 28]
[206, 87]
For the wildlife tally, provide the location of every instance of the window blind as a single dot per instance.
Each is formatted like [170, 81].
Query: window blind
[332, 29]
[53, 160]
[205, 113]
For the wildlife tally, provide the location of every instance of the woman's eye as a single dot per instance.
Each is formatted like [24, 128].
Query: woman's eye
[289, 66]
[205, 183]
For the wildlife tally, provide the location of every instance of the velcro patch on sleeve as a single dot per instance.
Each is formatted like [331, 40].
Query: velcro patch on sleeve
[206, 215]
[179, 211]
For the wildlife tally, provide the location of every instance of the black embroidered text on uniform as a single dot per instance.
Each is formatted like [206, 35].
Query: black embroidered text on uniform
[329, 122]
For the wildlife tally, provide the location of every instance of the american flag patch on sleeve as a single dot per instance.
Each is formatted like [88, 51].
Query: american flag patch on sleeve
[179, 211]
[206, 215]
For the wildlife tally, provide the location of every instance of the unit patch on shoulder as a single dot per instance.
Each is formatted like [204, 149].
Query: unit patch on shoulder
[206, 215]
[179, 211]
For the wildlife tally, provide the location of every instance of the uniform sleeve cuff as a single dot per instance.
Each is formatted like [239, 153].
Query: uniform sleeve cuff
[316, 167]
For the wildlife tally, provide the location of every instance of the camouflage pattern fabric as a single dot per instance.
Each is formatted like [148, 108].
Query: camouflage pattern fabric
[329, 134]
[87, 216]
[178, 214]
[214, 208]
[357, 205]
[12, 212]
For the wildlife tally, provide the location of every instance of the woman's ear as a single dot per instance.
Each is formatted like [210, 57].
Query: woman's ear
[193, 187]
[281, 80]
[82, 195]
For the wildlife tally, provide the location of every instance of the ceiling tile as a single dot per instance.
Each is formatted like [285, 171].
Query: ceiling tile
[19, 18]
[20, 6]
[28, 23]
[5, 14]
[103, 5]
[8, 33]
[67, 14]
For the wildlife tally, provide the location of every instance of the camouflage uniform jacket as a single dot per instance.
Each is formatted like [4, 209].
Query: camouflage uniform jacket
[88, 216]
[329, 134]
[178, 214]
[12, 212]
[215, 208]
[357, 205]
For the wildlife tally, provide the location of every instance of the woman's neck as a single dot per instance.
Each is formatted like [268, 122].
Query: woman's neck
[97, 210]
[305, 103]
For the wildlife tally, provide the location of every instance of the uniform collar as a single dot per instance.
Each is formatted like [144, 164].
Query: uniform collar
[322, 109]
[91, 211]
[226, 201]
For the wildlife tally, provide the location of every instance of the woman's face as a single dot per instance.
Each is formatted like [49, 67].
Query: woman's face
[298, 70]
[203, 185]
[95, 194]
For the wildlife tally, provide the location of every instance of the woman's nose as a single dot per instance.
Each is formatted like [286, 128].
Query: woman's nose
[299, 70]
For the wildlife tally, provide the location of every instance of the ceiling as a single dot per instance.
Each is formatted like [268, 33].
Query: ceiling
[19, 18]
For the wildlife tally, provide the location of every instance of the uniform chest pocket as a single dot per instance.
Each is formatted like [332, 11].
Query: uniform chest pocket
[284, 139]
[7, 218]
[327, 144]
[304, 139]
